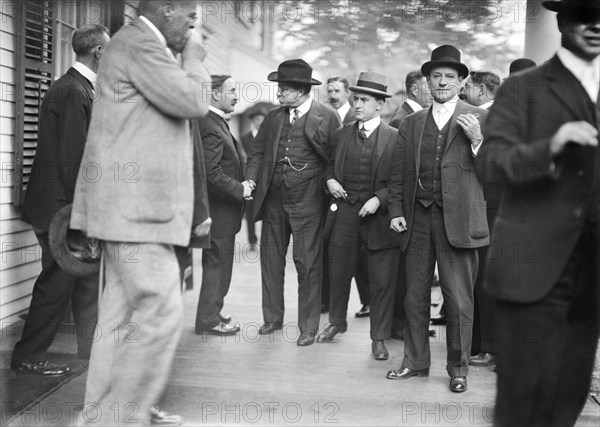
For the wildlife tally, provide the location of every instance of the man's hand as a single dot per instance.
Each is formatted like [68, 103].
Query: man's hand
[398, 224]
[469, 123]
[580, 133]
[370, 207]
[249, 187]
[202, 229]
[336, 189]
[193, 48]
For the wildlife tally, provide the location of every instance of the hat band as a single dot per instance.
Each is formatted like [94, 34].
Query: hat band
[371, 85]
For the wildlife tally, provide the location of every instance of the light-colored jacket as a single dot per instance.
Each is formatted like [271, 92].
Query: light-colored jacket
[136, 178]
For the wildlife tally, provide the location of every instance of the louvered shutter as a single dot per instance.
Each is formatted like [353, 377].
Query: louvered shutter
[34, 76]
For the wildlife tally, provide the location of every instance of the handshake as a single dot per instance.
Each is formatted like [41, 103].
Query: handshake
[249, 187]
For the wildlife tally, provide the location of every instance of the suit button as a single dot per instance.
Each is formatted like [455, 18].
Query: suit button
[578, 213]
[579, 173]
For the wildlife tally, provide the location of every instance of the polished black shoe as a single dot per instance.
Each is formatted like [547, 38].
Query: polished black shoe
[44, 368]
[404, 373]
[431, 332]
[225, 318]
[330, 332]
[158, 417]
[222, 329]
[364, 311]
[379, 351]
[458, 384]
[483, 359]
[269, 328]
[306, 339]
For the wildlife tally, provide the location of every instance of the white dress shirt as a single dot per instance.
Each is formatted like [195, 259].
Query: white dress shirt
[302, 108]
[86, 72]
[370, 125]
[414, 105]
[343, 111]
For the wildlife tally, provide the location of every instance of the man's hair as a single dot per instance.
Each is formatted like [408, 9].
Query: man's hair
[149, 6]
[340, 79]
[487, 78]
[218, 80]
[87, 38]
[413, 78]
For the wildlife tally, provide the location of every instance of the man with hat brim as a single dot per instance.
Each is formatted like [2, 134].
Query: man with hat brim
[542, 147]
[357, 179]
[436, 204]
[287, 164]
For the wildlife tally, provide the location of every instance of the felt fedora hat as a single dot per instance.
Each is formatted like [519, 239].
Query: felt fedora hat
[72, 251]
[520, 65]
[592, 6]
[293, 71]
[445, 56]
[372, 83]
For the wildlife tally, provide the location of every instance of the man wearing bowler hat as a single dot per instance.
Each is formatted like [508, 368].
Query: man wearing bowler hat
[357, 178]
[287, 165]
[542, 147]
[436, 203]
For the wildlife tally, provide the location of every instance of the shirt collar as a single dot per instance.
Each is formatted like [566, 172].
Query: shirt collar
[449, 105]
[155, 30]
[302, 108]
[218, 112]
[85, 72]
[370, 125]
[487, 105]
[414, 105]
[343, 110]
[576, 65]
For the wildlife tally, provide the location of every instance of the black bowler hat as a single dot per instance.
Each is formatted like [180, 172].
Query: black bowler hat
[293, 71]
[371, 83]
[592, 6]
[520, 65]
[445, 56]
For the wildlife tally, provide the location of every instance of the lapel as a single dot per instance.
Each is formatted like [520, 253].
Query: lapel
[313, 119]
[225, 127]
[83, 81]
[280, 116]
[454, 126]
[406, 106]
[383, 134]
[418, 133]
[344, 139]
[562, 82]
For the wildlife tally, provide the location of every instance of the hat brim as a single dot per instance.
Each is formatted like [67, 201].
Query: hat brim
[461, 68]
[557, 6]
[554, 6]
[362, 89]
[62, 254]
[274, 77]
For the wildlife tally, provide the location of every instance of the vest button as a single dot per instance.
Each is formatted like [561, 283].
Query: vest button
[579, 173]
[578, 213]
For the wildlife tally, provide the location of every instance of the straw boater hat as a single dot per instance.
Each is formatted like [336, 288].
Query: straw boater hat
[591, 6]
[372, 83]
[293, 71]
[445, 56]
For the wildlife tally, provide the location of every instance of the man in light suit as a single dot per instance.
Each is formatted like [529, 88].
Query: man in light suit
[542, 146]
[135, 193]
[357, 178]
[290, 153]
[418, 97]
[227, 191]
[64, 119]
[436, 202]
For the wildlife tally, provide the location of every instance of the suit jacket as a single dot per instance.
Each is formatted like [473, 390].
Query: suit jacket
[137, 180]
[63, 125]
[246, 148]
[404, 111]
[224, 175]
[379, 235]
[545, 200]
[321, 122]
[462, 195]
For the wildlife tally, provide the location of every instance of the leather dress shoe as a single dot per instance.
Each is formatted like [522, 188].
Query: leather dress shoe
[364, 311]
[269, 328]
[404, 373]
[44, 368]
[330, 332]
[225, 318]
[431, 332]
[458, 384]
[158, 417]
[483, 359]
[324, 308]
[306, 339]
[222, 329]
[379, 350]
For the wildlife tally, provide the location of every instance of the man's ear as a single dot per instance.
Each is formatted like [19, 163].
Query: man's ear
[413, 90]
[214, 94]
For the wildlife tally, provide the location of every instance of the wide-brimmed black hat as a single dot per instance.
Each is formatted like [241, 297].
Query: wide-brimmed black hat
[520, 65]
[593, 6]
[372, 83]
[293, 71]
[445, 56]
[72, 251]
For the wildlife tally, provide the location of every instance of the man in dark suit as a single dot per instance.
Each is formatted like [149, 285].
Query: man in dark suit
[287, 164]
[226, 193]
[542, 145]
[338, 97]
[436, 202]
[357, 178]
[418, 97]
[64, 119]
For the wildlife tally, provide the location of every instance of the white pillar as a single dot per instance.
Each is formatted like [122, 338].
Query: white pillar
[542, 38]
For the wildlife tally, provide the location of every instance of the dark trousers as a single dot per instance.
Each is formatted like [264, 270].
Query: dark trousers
[457, 269]
[348, 237]
[52, 292]
[547, 348]
[361, 276]
[252, 239]
[399, 318]
[296, 212]
[217, 267]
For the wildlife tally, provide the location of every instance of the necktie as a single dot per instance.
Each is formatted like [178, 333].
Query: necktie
[362, 133]
[439, 117]
[294, 116]
[590, 82]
